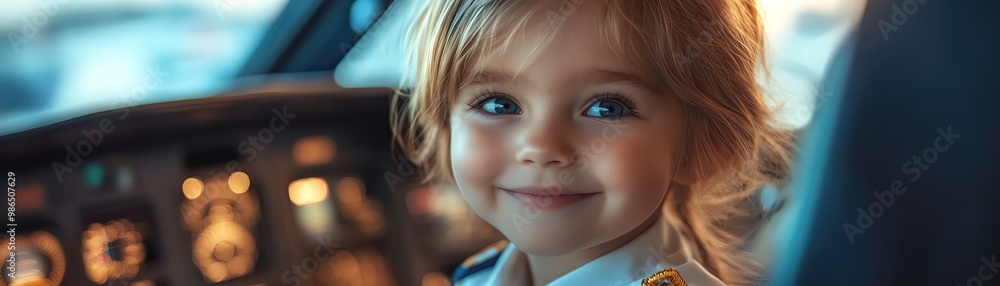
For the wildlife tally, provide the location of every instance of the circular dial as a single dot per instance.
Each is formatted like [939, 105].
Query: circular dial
[220, 214]
[224, 249]
[40, 260]
[112, 250]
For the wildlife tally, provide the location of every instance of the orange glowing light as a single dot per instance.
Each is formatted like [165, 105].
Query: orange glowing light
[307, 191]
[314, 150]
[239, 182]
[192, 188]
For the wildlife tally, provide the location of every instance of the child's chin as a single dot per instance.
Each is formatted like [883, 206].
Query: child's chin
[546, 242]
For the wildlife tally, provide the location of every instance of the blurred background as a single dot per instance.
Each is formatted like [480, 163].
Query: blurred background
[238, 142]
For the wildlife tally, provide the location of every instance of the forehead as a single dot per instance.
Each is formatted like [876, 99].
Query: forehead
[565, 37]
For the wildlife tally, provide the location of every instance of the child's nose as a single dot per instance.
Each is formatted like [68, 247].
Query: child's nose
[546, 146]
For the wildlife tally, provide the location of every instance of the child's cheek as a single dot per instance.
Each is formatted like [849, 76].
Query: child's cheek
[477, 152]
[635, 167]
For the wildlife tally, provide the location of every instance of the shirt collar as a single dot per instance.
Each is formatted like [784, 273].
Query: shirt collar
[659, 247]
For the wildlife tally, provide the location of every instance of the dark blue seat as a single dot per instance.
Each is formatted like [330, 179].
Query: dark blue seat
[920, 68]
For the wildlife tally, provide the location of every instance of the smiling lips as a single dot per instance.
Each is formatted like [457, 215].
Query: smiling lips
[539, 198]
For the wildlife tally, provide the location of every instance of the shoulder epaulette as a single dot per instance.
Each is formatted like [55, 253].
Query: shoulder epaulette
[482, 260]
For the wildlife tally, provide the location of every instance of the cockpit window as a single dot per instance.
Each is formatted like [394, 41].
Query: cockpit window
[62, 59]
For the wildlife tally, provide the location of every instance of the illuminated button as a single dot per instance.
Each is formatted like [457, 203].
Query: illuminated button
[239, 182]
[192, 188]
[93, 174]
[314, 150]
[307, 191]
[124, 178]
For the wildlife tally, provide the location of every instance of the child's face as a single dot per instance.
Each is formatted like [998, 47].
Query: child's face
[570, 155]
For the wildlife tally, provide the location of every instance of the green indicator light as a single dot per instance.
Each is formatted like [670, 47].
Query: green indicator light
[93, 174]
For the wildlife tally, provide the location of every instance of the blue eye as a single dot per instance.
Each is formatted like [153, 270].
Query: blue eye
[607, 108]
[498, 105]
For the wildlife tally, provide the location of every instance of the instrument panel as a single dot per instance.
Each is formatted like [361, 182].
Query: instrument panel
[272, 188]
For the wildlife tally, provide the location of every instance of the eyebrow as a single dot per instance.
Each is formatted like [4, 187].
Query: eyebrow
[488, 77]
[589, 77]
[599, 77]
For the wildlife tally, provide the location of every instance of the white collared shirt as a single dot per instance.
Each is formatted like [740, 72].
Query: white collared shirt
[658, 248]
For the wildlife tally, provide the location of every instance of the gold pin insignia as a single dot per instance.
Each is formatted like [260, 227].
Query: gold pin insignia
[667, 277]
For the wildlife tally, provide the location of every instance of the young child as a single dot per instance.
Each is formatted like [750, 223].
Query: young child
[612, 142]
